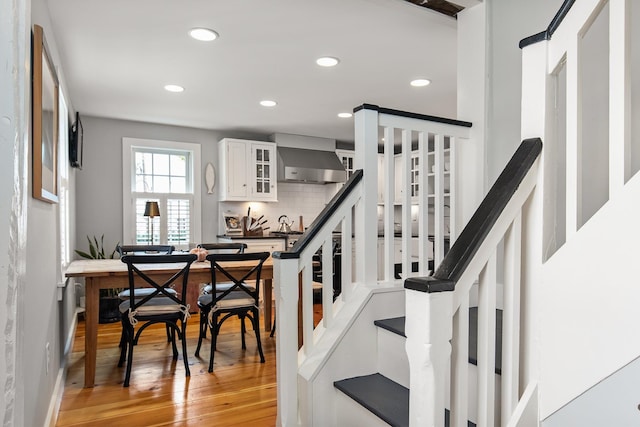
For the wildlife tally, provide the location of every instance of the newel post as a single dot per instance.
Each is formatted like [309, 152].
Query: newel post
[429, 329]
[285, 281]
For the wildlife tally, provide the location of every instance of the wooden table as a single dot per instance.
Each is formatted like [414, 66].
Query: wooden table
[112, 273]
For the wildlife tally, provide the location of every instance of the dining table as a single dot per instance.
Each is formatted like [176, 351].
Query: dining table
[112, 274]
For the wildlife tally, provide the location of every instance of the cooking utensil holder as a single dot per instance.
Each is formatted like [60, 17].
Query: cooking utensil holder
[246, 232]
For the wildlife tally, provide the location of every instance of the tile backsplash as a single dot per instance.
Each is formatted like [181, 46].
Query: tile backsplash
[294, 200]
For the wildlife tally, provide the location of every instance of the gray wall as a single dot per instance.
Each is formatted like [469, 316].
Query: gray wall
[35, 261]
[99, 183]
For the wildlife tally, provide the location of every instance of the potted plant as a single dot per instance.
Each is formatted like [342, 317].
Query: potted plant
[109, 301]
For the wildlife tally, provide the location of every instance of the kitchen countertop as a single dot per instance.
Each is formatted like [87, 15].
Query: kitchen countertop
[241, 236]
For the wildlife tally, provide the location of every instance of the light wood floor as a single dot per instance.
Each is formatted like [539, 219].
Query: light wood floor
[240, 392]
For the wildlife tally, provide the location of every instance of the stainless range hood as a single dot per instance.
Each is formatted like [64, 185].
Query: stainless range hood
[311, 166]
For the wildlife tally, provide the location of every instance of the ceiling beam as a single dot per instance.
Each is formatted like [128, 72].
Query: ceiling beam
[467, 3]
[449, 8]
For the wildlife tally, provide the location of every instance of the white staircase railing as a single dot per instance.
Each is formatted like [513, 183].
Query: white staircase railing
[412, 178]
[412, 181]
[437, 307]
[293, 276]
[562, 76]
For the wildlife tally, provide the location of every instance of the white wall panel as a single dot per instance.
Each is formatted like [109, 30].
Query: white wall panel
[589, 307]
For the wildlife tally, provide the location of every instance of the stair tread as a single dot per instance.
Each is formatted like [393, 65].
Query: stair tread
[385, 398]
[397, 324]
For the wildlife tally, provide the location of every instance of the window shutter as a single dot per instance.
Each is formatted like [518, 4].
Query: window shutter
[143, 226]
[178, 221]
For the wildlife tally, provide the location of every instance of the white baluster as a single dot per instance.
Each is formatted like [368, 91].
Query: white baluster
[428, 329]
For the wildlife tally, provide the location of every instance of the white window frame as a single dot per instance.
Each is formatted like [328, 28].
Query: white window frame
[64, 208]
[128, 186]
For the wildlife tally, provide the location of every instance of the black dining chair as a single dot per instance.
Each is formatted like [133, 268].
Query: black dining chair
[213, 248]
[162, 305]
[143, 250]
[221, 248]
[239, 299]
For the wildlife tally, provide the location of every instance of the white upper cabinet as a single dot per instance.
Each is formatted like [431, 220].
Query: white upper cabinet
[413, 186]
[346, 157]
[380, 178]
[247, 170]
[446, 173]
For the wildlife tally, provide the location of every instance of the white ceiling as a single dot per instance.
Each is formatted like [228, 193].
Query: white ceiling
[118, 54]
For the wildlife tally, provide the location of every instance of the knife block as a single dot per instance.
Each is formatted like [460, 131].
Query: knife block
[246, 232]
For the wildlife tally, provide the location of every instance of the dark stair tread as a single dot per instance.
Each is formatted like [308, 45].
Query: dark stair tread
[385, 398]
[396, 325]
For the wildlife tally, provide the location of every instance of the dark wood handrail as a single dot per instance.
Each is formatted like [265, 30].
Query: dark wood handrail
[322, 219]
[465, 247]
[410, 115]
[553, 26]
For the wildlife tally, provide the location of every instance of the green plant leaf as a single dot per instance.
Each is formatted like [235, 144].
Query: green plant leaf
[96, 249]
[84, 254]
[113, 254]
[98, 254]
[92, 249]
[101, 249]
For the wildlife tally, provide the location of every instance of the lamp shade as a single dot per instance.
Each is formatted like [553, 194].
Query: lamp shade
[151, 209]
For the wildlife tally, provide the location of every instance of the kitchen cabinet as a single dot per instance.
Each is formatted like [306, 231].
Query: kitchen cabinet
[380, 178]
[413, 187]
[247, 170]
[265, 245]
[431, 175]
[397, 253]
[258, 244]
[414, 177]
[346, 157]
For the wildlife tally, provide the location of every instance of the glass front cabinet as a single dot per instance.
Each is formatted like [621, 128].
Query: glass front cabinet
[247, 170]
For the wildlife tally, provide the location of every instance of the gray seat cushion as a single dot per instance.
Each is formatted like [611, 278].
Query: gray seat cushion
[158, 305]
[221, 287]
[143, 292]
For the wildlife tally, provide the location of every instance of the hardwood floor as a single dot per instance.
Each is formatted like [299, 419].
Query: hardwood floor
[240, 392]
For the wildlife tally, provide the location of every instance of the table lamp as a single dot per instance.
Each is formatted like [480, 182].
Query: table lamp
[151, 210]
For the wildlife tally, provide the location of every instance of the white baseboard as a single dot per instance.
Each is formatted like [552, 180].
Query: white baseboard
[58, 390]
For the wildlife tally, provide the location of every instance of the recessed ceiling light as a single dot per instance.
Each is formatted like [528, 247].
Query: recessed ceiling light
[345, 115]
[327, 61]
[174, 88]
[268, 103]
[203, 34]
[420, 82]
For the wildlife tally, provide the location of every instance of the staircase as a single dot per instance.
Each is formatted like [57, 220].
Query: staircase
[528, 250]
[386, 393]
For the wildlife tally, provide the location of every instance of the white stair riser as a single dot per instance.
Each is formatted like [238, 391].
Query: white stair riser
[473, 401]
[393, 362]
[351, 414]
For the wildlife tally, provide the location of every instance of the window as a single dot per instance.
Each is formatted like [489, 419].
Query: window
[167, 173]
[64, 208]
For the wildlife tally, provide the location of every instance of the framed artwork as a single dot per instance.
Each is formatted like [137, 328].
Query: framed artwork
[232, 224]
[44, 105]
